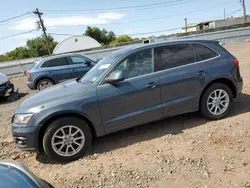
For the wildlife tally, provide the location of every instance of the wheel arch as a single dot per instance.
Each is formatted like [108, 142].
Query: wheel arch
[225, 81]
[52, 118]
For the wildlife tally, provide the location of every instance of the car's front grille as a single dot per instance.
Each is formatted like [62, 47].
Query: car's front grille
[20, 141]
[3, 86]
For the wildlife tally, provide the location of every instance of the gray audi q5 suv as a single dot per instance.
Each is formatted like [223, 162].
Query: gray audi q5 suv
[132, 86]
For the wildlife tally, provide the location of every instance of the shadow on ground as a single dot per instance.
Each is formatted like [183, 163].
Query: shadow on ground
[173, 126]
[5, 100]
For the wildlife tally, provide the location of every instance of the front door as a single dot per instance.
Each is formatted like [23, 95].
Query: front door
[78, 66]
[135, 100]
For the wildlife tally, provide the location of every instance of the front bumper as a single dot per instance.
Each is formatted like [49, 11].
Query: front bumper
[25, 137]
[6, 88]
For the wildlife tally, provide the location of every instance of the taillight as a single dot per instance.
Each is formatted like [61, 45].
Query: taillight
[28, 74]
[237, 63]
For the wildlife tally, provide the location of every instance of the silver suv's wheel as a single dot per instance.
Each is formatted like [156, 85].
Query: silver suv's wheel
[67, 139]
[44, 83]
[216, 101]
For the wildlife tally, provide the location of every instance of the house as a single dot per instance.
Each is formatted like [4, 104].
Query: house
[214, 24]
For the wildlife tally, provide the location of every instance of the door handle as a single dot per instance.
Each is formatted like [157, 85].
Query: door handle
[151, 85]
[74, 70]
[201, 73]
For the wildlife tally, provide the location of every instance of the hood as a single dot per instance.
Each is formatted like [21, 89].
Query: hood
[56, 95]
[3, 78]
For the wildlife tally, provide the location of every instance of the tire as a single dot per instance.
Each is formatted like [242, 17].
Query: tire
[206, 109]
[54, 129]
[40, 86]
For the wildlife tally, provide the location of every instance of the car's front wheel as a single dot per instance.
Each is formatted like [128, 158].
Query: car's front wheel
[67, 139]
[216, 102]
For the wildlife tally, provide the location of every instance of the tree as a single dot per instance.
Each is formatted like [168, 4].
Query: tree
[34, 48]
[3, 58]
[102, 36]
[122, 39]
[18, 53]
[37, 46]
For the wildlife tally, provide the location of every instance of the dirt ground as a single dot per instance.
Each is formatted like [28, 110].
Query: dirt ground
[183, 151]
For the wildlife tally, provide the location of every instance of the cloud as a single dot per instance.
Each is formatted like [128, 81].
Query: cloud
[104, 18]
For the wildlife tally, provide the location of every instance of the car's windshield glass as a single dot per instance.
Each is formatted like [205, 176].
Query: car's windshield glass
[99, 69]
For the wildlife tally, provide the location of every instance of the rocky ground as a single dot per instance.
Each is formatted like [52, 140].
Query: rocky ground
[183, 151]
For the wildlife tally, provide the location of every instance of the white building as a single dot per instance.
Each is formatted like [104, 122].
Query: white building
[76, 43]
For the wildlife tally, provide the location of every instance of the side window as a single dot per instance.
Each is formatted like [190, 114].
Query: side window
[55, 62]
[137, 64]
[171, 56]
[73, 60]
[203, 53]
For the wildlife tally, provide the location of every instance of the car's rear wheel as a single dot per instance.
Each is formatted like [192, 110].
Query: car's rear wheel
[67, 139]
[217, 101]
[44, 83]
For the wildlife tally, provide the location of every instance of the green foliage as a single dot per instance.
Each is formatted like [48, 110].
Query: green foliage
[102, 36]
[37, 47]
[34, 48]
[18, 53]
[3, 58]
[122, 39]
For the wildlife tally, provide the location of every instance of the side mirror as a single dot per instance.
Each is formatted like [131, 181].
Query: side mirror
[115, 77]
[87, 62]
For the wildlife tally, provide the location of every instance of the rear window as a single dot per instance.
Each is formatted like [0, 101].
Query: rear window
[55, 62]
[203, 53]
[171, 56]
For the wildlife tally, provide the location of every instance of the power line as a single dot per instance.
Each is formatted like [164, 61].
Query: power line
[15, 20]
[155, 18]
[115, 8]
[15, 17]
[14, 35]
[144, 33]
[228, 14]
[121, 10]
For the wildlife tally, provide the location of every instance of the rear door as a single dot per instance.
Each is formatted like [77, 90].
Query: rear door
[58, 69]
[79, 65]
[182, 77]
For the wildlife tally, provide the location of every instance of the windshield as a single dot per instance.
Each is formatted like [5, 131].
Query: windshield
[99, 69]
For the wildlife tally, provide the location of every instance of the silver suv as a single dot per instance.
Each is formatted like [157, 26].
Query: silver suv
[56, 69]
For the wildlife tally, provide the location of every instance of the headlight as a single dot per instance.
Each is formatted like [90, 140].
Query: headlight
[22, 119]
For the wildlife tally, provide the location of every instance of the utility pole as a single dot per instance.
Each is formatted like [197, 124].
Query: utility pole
[185, 25]
[39, 15]
[244, 11]
[224, 13]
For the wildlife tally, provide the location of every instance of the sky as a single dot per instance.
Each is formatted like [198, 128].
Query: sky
[72, 17]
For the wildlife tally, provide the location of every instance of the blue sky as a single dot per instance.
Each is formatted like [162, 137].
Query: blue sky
[120, 21]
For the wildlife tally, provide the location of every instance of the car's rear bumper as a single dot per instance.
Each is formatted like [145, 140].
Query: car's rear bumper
[239, 87]
[25, 137]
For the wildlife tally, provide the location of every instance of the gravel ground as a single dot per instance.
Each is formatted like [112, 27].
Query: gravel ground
[183, 151]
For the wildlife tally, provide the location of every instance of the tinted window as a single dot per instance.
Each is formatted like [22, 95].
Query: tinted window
[203, 53]
[76, 60]
[137, 64]
[170, 56]
[55, 62]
